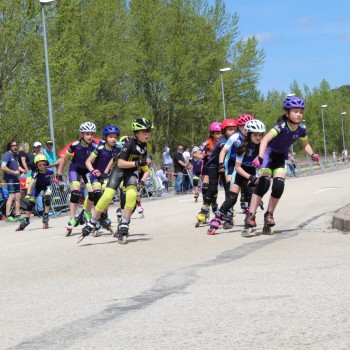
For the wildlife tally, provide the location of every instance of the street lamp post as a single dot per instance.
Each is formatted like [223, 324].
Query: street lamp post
[222, 70]
[342, 128]
[48, 85]
[324, 135]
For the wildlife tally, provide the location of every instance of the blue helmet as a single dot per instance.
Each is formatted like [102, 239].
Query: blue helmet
[293, 102]
[110, 129]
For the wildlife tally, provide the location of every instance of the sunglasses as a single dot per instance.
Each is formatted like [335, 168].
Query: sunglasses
[13, 145]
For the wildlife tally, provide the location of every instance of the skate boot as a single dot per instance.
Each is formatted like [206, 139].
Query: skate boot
[70, 225]
[228, 220]
[203, 215]
[90, 227]
[119, 214]
[269, 222]
[196, 195]
[23, 225]
[80, 218]
[215, 223]
[97, 229]
[87, 216]
[140, 210]
[45, 220]
[106, 222]
[249, 225]
[122, 232]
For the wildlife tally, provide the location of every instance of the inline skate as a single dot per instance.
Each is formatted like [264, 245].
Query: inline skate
[45, 220]
[122, 232]
[269, 222]
[70, 225]
[203, 215]
[23, 225]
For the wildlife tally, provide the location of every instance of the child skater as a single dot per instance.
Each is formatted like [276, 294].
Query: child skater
[272, 156]
[243, 173]
[99, 164]
[40, 182]
[79, 151]
[212, 167]
[196, 163]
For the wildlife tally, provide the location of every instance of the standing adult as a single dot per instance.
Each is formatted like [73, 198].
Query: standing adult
[50, 155]
[12, 169]
[179, 167]
[291, 163]
[23, 156]
[167, 160]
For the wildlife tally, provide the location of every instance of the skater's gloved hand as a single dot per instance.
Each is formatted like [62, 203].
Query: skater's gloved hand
[59, 177]
[27, 197]
[315, 157]
[103, 176]
[96, 173]
[141, 162]
[253, 179]
[221, 168]
[141, 184]
[257, 162]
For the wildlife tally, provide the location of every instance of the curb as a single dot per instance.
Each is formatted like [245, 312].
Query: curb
[341, 219]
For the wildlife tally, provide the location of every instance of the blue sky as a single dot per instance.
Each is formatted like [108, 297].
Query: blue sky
[304, 40]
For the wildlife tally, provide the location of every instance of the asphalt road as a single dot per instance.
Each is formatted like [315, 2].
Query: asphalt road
[174, 287]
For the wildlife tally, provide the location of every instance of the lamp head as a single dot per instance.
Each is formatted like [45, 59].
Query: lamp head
[343, 113]
[225, 69]
[324, 106]
[47, 2]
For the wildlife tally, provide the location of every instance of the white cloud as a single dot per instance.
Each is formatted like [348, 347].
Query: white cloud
[306, 21]
[264, 37]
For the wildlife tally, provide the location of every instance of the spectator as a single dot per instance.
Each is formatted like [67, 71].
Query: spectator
[291, 163]
[12, 169]
[186, 154]
[161, 174]
[179, 167]
[23, 156]
[36, 151]
[167, 160]
[50, 155]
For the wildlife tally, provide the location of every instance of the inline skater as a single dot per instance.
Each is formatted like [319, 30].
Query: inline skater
[99, 164]
[243, 173]
[131, 159]
[79, 151]
[196, 163]
[272, 156]
[40, 181]
[227, 156]
[215, 133]
[212, 169]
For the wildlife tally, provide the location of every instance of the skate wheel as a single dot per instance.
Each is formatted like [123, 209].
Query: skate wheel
[19, 229]
[211, 232]
[268, 230]
[142, 216]
[45, 226]
[68, 233]
[110, 230]
[197, 224]
[122, 240]
[95, 234]
[233, 213]
[227, 226]
[247, 232]
[80, 239]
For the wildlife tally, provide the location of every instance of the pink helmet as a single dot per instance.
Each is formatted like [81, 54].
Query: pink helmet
[215, 126]
[243, 118]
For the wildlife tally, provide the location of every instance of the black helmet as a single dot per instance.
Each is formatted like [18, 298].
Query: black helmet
[141, 124]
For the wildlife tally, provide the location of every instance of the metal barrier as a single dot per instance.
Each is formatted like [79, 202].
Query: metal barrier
[60, 197]
[153, 187]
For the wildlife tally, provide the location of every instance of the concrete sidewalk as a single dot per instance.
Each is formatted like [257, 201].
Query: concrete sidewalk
[341, 219]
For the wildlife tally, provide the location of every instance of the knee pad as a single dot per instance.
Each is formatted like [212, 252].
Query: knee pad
[131, 195]
[105, 200]
[230, 201]
[205, 187]
[47, 200]
[263, 186]
[30, 205]
[97, 195]
[74, 196]
[277, 187]
[195, 181]
[91, 196]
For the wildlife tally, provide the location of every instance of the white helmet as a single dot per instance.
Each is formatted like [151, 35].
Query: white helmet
[254, 125]
[87, 127]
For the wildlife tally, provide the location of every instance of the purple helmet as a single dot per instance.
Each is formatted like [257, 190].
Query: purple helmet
[293, 102]
[215, 126]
